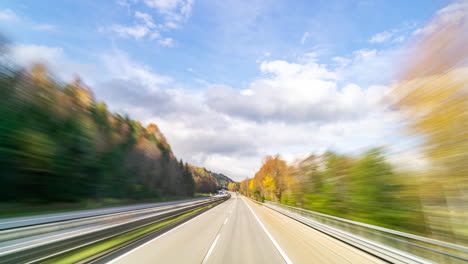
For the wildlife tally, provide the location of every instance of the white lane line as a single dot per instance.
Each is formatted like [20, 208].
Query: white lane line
[211, 249]
[225, 221]
[152, 240]
[285, 257]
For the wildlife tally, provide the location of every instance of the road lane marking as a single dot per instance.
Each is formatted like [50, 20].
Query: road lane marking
[225, 221]
[211, 249]
[285, 257]
[152, 240]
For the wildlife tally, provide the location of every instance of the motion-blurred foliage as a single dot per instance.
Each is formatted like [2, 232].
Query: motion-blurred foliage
[362, 188]
[432, 97]
[233, 186]
[57, 143]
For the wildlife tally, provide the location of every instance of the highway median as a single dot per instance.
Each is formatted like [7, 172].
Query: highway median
[115, 240]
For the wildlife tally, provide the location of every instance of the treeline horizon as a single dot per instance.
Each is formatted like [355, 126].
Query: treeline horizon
[365, 188]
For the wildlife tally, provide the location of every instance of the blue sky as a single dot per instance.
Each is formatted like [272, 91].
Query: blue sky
[230, 81]
[219, 40]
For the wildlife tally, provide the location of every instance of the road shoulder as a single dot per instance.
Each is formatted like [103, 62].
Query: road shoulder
[304, 244]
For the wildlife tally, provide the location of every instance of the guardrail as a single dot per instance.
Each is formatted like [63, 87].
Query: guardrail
[44, 251]
[115, 217]
[390, 245]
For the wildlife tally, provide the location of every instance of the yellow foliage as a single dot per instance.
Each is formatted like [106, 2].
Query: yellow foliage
[434, 96]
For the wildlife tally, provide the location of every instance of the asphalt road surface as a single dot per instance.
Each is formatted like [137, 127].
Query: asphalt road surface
[240, 231]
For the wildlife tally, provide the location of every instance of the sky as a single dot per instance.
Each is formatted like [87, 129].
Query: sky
[231, 81]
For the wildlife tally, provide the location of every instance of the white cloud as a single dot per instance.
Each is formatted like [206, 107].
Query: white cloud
[147, 18]
[302, 108]
[247, 92]
[54, 58]
[24, 55]
[381, 37]
[455, 12]
[174, 11]
[292, 93]
[8, 15]
[291, 107]
[137, 32]
[123, 3]
[119, 64]
[341, 61]
[395, 35]
[154, 35]
[399, 39]
[365, 53]
[304, 38]
[170, 25]
[163, 5]
[225, 164]
[166, 42]
[369, 66]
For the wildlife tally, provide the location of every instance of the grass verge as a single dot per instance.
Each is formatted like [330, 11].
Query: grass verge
[91, 250]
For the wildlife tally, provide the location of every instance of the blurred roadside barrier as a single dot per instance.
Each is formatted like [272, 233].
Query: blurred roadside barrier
[390, 245]
[46, 241]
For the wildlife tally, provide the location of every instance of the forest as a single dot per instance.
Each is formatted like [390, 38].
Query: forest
[209, 182]
[57, 143]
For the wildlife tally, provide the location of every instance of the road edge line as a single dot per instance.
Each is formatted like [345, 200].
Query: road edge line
[282, 253]
[211, 249]
[156, 238]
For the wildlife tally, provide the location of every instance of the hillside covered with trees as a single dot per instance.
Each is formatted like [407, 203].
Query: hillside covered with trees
[57, 143]
[222, 180]
[209, 182]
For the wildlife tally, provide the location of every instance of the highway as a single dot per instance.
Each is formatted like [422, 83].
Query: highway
[219, 229]
[96, 225]
[240, 231]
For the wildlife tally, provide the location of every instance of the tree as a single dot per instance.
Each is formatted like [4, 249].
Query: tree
[273, 172]
[433, 95]
[233, 187]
